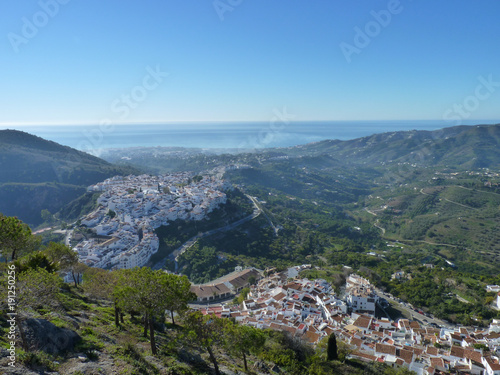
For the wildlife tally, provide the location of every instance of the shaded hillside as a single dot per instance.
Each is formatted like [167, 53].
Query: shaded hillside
[459, 146]
[37, 174]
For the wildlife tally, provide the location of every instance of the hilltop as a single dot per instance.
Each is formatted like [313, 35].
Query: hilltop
[460, 146]
[37, 174]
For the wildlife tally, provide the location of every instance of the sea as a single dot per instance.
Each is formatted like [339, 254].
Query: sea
[222, 135]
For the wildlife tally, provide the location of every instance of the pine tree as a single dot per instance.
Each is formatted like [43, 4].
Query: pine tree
[332, 348]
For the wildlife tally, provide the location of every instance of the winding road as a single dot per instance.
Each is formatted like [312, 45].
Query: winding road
[174, 255]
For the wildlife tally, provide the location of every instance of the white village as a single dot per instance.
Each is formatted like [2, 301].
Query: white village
[132, 207]
[310, 310]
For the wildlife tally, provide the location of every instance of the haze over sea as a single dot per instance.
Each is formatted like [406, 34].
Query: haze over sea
[92, 138]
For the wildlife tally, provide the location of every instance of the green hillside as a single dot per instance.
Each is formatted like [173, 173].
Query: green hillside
[460, 147]
[37, 174]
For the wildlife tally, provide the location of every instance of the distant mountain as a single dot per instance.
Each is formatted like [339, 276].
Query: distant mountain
[37, 174]
[460, 146]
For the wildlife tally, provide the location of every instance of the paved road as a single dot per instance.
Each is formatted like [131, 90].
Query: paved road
[447, 200]
[256, 206]
[379, 227]
[43, 230]
[411, 312]
[189, 243]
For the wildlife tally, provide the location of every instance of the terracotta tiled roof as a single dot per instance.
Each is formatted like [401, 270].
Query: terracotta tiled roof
[417, 351]
[364, 356]
[456, 336]
[362, 322]
[437, 362]
[457, 351]
[473, 355]
[493, 335]
[357, 342]
[205, 291]
[494, 365]
[414, 325]
[311, 336]
[279, 296]
[385, 349]
[432, 351]
[406, 355]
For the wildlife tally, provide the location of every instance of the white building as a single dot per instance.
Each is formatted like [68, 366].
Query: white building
[491, 365]
[360, 295]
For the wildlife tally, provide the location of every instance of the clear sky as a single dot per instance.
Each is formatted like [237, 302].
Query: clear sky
[82, 61]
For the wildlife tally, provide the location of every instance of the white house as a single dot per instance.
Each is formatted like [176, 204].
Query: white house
[491, 365]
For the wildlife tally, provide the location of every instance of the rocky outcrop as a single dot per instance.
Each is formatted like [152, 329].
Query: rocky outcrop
[40, 334]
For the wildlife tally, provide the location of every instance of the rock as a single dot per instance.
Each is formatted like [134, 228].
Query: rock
[40, 334]
[276, 369]
[227, 371]
[105, 365]
[4, 353]
[20, 370]
[189, 357]
[260, 366]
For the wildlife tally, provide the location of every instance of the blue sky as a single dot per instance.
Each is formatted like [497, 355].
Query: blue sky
[79, 60]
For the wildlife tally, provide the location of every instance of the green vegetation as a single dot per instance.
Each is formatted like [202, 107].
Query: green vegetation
[177, 232]
[317, 211]
[375, 205]
[79, 207]
[15, 238]
[136, 300]
[37, 175]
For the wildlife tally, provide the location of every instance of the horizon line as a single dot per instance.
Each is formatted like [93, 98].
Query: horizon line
[21, 124]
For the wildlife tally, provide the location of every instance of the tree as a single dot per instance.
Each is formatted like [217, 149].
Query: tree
[46, 216]
[101, 284]
[332, 354]
[251, 280]
[405, 371]
[15, 238]
[65, 258]
[37, 259]
[343, 350]
[243, 340]
[38, 288]
[77, 270]
[178, 295]
[205, 331]
[145, 291]
[243, 295]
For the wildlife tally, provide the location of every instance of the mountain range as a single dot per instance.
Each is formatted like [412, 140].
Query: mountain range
[460, 146]
[37, 174]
